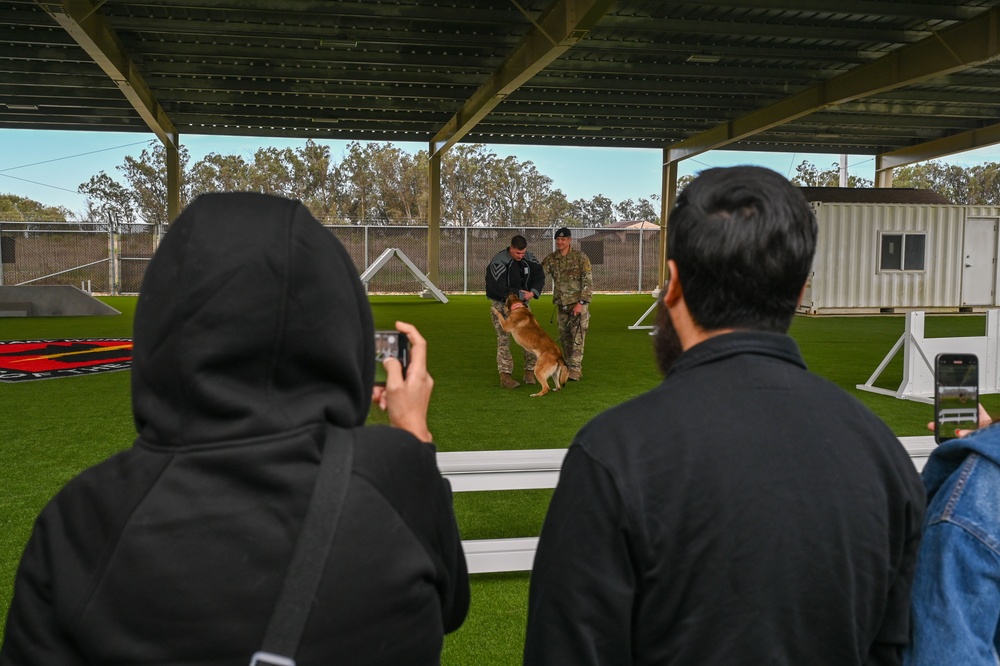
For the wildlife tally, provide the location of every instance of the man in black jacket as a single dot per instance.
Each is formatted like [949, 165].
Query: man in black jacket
[513, 271]
[745, 511]
[254, 353]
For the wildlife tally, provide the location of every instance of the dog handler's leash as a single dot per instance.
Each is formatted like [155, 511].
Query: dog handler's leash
[288, 620]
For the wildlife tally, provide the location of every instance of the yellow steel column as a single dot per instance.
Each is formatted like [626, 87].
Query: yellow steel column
[434, 216]
[173, 180]
[668, 196]
[883, 173]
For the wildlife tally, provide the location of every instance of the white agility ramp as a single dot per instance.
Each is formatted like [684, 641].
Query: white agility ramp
[638, 325]
[471, 471]
[919, 353]
[387, 256]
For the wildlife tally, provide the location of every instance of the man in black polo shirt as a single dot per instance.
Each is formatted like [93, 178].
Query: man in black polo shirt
[745, 511]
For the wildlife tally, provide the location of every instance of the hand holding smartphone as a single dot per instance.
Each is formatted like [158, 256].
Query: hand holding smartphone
[390, 344]
[956, 395]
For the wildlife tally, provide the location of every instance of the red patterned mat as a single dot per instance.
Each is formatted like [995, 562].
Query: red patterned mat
[28, 360]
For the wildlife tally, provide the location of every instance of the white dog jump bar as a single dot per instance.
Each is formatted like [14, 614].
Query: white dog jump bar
[470, 471]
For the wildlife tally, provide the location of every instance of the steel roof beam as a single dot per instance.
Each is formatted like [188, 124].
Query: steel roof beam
[859, 7]
[949, 145]
[957, 47]
[556, 31]
[95, 35]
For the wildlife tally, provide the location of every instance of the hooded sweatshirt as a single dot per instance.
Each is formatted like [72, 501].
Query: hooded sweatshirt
[253, 347]
[956, 590]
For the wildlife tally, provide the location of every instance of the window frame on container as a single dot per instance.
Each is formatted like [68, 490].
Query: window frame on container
[904, 260]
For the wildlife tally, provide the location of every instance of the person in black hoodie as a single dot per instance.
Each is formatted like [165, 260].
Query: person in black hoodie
[253, 349]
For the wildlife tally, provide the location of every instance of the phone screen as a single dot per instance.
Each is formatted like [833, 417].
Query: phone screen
[389, 344]
[956, 394]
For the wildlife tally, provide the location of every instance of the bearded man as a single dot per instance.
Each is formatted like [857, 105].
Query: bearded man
[744, 511]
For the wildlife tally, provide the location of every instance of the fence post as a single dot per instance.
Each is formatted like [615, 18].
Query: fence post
[641, 234]
[1, 258]
[366, 244]
[465, 261]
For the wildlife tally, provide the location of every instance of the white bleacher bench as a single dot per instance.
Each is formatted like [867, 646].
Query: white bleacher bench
[471, 471]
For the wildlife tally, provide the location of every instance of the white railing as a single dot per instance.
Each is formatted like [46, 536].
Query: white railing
[471, 471]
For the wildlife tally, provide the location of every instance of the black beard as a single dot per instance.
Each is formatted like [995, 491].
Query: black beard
[666, 342]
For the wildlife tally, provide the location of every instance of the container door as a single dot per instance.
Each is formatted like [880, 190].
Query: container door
[979, 257]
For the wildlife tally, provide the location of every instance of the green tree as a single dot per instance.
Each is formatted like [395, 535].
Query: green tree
[147, 177]
[598, 211]
[464, 196]
[108, 201]
[977, 185]
[809, 175]
[21, 209]
[220, 173]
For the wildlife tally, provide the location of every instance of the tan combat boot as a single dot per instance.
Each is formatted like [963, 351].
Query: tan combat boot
[574, 375]
[507, 381]
[529, 377]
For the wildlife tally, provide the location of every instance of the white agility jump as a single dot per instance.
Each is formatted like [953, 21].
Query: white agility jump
[919, 353]
[470, 471]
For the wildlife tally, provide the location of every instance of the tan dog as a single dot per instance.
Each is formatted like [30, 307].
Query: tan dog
[519, 322]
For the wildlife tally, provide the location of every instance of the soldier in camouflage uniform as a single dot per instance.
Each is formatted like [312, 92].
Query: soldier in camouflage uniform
[572, 287]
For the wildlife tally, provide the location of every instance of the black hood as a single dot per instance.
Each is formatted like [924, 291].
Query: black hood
[251, 321]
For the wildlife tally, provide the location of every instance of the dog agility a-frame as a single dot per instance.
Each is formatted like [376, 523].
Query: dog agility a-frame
[430, 290]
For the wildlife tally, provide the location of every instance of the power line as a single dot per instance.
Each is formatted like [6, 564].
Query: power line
[35, 182]
[69, 157]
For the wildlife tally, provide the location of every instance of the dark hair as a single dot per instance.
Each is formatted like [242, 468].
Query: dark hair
[518, 242]
[743, 239]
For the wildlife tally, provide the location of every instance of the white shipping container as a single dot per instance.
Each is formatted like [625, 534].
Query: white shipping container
[892, 257]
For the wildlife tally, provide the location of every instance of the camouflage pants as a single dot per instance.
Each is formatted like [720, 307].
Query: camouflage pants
[572, 334]
[505, 364]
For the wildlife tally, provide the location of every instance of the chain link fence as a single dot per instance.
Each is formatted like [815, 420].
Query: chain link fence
[98, 258]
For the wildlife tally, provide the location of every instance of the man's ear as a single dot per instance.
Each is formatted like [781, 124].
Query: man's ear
[674, 291]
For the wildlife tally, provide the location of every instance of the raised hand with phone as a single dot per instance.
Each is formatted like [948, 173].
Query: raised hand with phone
[957, 411]
[406, 392]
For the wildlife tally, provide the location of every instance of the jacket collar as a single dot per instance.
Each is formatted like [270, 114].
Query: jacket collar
[762, 343]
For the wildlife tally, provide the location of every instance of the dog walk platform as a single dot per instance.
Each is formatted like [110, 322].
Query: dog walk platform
[54, 301]
[526, 469]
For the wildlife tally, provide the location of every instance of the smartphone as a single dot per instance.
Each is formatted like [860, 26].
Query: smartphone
[390, 344]
[956, 394]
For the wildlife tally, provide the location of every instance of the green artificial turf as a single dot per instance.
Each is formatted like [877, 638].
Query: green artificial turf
[52, 429]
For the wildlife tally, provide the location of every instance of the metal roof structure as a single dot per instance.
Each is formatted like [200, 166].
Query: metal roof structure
[851, 76]
[904, 80]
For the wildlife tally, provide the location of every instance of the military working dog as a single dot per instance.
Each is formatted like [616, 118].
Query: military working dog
[519, 322]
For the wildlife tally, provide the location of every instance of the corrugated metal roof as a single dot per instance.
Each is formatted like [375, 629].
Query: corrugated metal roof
[647, 74]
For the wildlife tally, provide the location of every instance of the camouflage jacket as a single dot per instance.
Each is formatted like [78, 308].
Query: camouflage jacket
[572, 280]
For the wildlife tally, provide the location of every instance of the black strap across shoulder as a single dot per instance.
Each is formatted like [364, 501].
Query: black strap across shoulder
[284, 631]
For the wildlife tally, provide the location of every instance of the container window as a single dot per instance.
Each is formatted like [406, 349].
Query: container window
[892, 252]
[902, 252]
[913, 252]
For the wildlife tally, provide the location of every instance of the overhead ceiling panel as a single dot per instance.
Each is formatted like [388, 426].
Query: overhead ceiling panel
[648, 74]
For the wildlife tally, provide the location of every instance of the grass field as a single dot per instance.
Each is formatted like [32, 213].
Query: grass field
[53, 429]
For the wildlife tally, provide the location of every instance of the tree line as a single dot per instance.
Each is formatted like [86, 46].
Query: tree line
[976, 185]
[374, 184]
[381, 184]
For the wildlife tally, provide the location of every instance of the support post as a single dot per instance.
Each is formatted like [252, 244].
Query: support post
[667, 198]
[434, 216]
